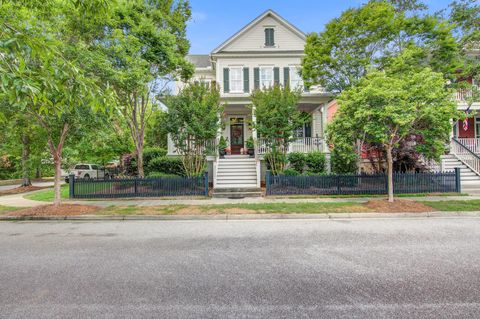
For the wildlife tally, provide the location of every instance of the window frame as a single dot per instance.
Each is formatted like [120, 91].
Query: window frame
[294, 69]
[267, 44]
[240, 80]
[262, 68]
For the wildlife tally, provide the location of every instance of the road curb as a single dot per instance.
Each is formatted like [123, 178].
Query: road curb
[226, 217]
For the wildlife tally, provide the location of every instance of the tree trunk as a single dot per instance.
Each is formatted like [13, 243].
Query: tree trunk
[390, 173]
[140, 160]
[58, 174]
[25, 163]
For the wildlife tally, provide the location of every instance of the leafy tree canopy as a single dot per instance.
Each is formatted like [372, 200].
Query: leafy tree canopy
[370, 37]
[386, 107]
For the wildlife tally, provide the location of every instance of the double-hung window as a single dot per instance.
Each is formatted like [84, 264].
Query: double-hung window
[236, 80]
[266, 77]
[295, 78]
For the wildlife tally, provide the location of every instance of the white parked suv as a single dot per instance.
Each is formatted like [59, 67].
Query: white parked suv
[88, 171]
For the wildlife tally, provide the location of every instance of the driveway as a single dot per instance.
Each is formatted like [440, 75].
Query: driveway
[412, 268]
[39, 184]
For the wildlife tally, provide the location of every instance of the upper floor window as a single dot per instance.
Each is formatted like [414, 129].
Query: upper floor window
[269, 37]
[295, 78]
[266, 77]
[236, 80]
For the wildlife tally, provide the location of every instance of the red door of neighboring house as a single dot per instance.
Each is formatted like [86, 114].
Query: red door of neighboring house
[470, 132]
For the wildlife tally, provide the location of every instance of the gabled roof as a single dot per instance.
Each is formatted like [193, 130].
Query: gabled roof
[250, 25]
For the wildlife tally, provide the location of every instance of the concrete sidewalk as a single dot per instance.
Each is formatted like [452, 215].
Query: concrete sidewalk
[18, 200]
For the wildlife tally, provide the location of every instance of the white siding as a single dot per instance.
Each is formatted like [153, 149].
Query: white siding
[254, 38]
[251, 63]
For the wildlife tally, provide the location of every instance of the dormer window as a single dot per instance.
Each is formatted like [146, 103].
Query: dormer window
[269, 37]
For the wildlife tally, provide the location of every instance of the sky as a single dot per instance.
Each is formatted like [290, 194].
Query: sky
[214, 21]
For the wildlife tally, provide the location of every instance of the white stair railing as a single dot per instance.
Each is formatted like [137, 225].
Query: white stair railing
[300, 144]
[465, 155]
[472, 144]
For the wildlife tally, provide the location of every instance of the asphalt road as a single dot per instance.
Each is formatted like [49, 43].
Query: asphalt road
[411, 268]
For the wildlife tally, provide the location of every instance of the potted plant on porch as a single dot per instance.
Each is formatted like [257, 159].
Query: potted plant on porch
[250, 147]
[222, 146]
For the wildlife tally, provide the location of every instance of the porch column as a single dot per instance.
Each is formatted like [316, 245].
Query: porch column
[254, 121]
[324, 126]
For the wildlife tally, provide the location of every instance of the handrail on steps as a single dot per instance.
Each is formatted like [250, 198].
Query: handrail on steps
[469, 157]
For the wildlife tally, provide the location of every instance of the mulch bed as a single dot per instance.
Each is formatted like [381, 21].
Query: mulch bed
[22, 189]
[398, 206]
[52, 210]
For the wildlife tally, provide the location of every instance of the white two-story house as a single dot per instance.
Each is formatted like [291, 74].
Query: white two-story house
[267, 51]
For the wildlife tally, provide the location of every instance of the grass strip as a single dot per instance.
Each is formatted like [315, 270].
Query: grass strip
[454, 205]
[7, 209]
[261, 208]
[48, 195]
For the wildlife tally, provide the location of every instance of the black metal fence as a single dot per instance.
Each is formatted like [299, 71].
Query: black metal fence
[138, 187]
[363, 184]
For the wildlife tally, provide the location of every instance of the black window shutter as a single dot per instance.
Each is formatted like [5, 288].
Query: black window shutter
[276, 76]
[308, 129]
[286, 76]
[226, 80]
[256, 78]
[246, 80]
[269, 37]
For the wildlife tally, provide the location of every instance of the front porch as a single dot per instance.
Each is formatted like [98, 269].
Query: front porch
[237, 128]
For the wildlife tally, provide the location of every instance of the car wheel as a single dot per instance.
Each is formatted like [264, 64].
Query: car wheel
[106, 176]
[86, 176]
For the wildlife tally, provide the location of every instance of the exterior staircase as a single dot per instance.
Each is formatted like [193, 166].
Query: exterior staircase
[236, 177]
[470, 181]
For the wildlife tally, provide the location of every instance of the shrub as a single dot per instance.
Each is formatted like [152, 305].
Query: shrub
[161, 174]
[297, 161]
[275, 162]
[343, 161]
[290, 172]
[151, 153]
[315, 162]
[166, 165]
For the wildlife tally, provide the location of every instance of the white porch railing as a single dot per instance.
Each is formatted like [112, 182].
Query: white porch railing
[301, 144]
[472, 144]
[209, 147]
[465, 155]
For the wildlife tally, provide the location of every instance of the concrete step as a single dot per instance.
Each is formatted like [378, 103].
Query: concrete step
[236, 173]
[237, 192]
[235, 157]
[237, 177]
[470, 182]
[236, 185]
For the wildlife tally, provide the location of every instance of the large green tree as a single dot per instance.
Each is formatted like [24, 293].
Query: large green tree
[193, 120]
[370, 37]
[386, 107]
[277, 116]
[40, 73]
[144, 44]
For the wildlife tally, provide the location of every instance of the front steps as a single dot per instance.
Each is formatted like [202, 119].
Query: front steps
[236, 177]
[470, 181]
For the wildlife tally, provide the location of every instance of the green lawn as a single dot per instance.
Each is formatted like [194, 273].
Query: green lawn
[454, 205]
[48, 194]
[6, 209]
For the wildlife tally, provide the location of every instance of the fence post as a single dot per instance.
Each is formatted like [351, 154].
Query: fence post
[206, 183]
[267, 182]
[71, 183]
[135, 185]
[458, 184]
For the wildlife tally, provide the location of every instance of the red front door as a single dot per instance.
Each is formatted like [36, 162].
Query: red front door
[236, 136]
